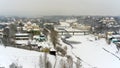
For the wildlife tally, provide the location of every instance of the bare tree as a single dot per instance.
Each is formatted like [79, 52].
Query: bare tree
[69, 61]
[54, 37]
[21, 26]
[43, 63]
[13, 29]
[62, 64]
[45, 60]
[6, 36]
[78, 64]
[15, 65]
[61, 50]
[55, 61]
[49, 65]
[45, 32]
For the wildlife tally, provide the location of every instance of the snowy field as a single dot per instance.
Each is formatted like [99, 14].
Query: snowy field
[92, 52]
[24, 58]
[89, 50]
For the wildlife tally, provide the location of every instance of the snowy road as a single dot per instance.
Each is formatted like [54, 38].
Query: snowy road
[92, 52]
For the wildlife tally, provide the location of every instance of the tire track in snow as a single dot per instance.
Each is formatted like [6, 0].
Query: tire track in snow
[66, 42]
[111, 53]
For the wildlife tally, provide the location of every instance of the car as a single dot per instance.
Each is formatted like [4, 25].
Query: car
[42, 38]
[115, 40]
[39, 38]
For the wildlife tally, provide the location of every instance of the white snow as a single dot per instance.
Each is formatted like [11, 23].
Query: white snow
[21, 42]
[92, 52]
[28, 59]
[89, 50]
[22, 34]
[25, 58]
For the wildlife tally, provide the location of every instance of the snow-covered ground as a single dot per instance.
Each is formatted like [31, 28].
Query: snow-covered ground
[24, 58]
[92, 52]
[89, 50]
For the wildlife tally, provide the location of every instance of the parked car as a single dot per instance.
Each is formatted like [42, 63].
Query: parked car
[114, 40]
[40, 38]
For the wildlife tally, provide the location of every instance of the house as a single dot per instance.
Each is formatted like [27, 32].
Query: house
[49, 26]
[31, 26]
[114, 38]
[2, 27]
[1, 33]
[21, 38]
[80, 26]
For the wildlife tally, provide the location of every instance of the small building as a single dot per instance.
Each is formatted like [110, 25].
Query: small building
[21, 38]
[1, 33]
[49, 26]
[53, 51]
[114, 38]
[2, 27]
[31, 26]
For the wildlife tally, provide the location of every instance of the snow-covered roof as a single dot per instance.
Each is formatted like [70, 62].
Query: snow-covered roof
[52, 49]
[64, 24]
[22, 37]
[29, 23]
[36, 36]
[71, 29]
[17, 34]
[43, 44]
[116, 36]
[21, 42]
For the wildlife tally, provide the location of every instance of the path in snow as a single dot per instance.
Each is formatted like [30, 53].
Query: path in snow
[112, 53]
[92, 52]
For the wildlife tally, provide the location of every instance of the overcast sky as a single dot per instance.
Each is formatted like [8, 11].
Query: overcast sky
[59, 7]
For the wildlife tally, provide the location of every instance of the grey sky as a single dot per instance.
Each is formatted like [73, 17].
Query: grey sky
[59, 7]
